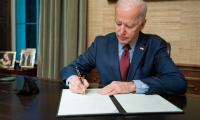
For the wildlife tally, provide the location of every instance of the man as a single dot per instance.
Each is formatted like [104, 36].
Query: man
[26, 59]
[149, 70]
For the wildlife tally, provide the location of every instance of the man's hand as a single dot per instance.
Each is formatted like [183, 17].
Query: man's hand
[76, 86]
[117, 87]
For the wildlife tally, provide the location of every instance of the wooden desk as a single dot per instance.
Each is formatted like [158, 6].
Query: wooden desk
[44, 105]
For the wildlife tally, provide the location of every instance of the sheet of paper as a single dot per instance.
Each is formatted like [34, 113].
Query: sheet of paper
[141, 103]
[90, 104]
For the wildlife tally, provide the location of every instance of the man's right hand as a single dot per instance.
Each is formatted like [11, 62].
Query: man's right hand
[76, 86]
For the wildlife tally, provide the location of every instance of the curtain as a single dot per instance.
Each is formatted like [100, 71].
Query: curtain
[62, 35]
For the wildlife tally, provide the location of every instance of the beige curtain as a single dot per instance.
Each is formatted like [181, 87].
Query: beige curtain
[62, 35]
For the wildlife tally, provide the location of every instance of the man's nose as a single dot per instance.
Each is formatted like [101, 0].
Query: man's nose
[122, 30]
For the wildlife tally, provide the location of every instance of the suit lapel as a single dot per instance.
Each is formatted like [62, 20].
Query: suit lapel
[139, 51]
[115, 59]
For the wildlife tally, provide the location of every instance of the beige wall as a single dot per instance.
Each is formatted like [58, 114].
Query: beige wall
[177, 21]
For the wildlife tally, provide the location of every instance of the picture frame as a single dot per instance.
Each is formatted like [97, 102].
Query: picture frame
[7, 59]
[27, 58]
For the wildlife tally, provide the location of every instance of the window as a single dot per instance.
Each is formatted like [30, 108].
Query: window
[27, 22]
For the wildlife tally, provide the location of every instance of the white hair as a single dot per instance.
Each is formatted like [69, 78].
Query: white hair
[132, 3]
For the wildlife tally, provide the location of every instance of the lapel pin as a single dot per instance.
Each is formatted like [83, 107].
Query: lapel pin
[141, 48]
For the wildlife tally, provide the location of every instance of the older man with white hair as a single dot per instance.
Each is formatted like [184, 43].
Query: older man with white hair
[127, 60]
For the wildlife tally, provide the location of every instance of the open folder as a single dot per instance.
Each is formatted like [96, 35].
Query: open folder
[92, 103]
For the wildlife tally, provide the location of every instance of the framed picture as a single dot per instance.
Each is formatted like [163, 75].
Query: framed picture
[7, 59]
[27, 58]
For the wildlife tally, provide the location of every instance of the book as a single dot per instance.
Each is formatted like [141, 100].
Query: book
[92, 103]
[141, 103]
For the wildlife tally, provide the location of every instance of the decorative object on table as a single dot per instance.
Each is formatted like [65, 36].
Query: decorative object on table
[27, 58]
[7, 59]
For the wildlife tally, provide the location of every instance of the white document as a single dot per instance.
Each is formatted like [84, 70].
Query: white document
[92, 103]
[141, 103]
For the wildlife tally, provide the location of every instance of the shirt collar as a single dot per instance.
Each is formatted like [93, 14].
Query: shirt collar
[132, 44]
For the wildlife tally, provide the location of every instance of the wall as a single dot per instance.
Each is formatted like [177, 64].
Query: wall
[177, 21]
[5, 25]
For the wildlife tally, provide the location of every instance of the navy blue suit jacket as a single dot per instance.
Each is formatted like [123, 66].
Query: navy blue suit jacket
[150, 63]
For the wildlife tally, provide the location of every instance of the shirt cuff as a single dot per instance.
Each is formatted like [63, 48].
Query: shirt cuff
[69, 78]
[141, 87]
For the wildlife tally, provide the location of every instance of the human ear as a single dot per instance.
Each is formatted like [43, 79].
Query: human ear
[142, 24]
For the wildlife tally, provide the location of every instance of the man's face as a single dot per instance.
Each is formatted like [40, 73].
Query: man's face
[127, 24]
[6, 56]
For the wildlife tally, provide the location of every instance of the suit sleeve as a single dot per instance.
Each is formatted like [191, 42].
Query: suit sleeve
[169, 79]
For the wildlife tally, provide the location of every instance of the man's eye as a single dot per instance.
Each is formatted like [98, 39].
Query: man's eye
[118, 24]
[130, 26]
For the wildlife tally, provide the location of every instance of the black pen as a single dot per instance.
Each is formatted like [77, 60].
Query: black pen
[79, 75]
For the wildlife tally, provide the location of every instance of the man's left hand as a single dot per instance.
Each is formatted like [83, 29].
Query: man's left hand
[117, 87]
